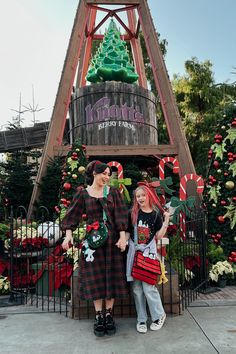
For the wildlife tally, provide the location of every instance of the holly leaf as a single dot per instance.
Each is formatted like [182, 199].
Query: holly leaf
[214, 193]
[72, 163]
[126, 193]
[219, 150]
[231, 214]
[231, 135]
[164, 185]
[233, 168]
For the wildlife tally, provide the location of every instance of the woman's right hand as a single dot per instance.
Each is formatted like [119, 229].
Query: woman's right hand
[68, 241]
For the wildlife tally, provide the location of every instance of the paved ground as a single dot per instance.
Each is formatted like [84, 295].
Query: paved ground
[207, 326]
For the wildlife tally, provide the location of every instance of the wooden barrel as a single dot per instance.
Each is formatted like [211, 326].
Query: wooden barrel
[114, 113]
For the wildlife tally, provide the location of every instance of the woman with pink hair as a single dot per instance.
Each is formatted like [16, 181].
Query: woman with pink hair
[146, 227]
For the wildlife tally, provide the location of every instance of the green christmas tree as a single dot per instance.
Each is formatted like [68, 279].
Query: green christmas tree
[220, 194]
[73, 176]
[50, 185]
[17, 176]
[112, 61]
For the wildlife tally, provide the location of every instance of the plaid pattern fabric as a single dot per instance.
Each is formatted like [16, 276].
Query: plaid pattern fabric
[104, 278]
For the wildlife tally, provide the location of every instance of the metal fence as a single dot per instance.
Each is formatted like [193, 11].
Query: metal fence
[43, 275]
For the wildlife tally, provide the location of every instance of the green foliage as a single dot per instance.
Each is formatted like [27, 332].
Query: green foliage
[50, 184]
[219, 194]
[215, 253]
[132, 171]
[18, 184]
[72, 175]
[4, 230]
[200, 102]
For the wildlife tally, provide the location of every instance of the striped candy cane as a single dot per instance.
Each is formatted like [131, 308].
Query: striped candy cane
[120, 171]
[162, 163]
[182, 196]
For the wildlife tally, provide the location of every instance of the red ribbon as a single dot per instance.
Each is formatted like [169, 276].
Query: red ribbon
[94, 226]
[153, 184]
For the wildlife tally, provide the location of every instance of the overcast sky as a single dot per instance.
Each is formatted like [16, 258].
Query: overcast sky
[34, 36]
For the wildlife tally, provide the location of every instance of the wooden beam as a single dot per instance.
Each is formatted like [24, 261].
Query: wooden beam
[59, 114]
[86, 51]
[136, 50]
[112, 2]
[121, 150]
[168, 103]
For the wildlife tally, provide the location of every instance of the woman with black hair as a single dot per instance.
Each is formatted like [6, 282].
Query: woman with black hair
[103, 278]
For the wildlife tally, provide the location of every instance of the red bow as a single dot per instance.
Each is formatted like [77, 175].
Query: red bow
[94, 226]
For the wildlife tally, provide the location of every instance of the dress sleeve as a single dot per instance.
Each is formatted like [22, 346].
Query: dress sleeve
[120, 211]
[74, 213]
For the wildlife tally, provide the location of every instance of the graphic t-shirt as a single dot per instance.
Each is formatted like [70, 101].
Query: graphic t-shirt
[147, 226]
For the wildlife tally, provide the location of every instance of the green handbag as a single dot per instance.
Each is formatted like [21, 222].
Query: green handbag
[97, 232]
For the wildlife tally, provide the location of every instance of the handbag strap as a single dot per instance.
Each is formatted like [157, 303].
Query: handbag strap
[104, 215]
[135, 235]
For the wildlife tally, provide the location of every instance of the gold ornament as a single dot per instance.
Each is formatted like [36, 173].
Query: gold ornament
[81, 169]
[219, 171]
[229, 185]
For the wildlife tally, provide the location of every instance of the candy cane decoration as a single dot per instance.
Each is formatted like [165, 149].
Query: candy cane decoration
[120, 171]
[162, 163]
[182, 196]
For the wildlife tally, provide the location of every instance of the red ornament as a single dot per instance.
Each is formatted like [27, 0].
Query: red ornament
[221, 219]
[233, 124]
[210, 152]
[67, 186]
[226, 174]
[223, 202]
[234, 199]
[218, 138]
[216, 164]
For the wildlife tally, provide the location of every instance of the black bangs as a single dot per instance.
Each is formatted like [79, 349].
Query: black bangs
[101, 167]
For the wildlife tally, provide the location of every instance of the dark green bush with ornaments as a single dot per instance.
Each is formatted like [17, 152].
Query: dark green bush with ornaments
[220, 191]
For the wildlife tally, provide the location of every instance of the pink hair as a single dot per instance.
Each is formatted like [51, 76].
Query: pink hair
[154, 202]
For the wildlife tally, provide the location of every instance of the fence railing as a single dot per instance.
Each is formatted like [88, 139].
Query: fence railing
[42, 274]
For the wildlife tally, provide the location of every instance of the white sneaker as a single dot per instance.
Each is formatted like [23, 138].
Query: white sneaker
[141, 327]
[156, 325]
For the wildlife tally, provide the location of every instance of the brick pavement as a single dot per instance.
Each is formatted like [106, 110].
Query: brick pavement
[227, 293]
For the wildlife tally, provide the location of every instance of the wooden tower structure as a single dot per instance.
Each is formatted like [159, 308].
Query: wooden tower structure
[74, 74]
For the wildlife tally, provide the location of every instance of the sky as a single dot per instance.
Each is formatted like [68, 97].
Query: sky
[34, 35]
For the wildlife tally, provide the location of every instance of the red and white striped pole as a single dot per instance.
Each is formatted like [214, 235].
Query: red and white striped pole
[183, 194]
[120, 171]
[165, 160]
[162, 163]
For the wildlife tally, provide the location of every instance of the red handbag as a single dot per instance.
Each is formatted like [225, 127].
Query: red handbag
[145, 268]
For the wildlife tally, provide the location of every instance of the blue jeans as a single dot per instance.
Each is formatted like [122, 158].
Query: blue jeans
[143, 293]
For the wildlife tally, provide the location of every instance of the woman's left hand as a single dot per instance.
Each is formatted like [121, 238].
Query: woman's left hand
[121, 243]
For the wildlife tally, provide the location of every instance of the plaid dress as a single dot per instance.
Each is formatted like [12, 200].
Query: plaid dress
[104, 278]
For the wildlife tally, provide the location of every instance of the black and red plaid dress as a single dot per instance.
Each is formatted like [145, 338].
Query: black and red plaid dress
[104, 278]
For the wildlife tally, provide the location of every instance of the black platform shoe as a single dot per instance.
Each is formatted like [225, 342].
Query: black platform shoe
[99, 325]
[109, 323]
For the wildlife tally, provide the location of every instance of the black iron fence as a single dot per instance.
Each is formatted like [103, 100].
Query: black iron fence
[42, 274]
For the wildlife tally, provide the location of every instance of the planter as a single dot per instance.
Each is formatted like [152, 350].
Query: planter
[45, 284]
[221, 282]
